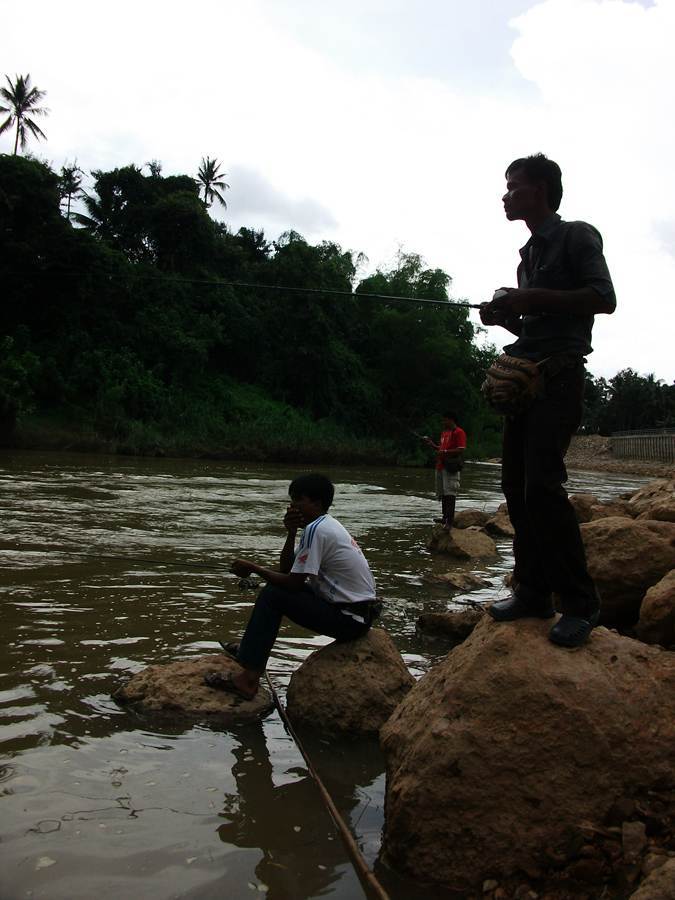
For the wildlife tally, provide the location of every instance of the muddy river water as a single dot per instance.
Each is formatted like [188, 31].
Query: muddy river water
[98, 579]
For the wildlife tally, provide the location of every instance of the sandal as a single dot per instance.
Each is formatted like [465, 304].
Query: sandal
[230, 647]
[224, 682]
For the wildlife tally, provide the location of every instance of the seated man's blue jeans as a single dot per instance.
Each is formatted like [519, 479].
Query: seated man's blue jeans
[303, 607]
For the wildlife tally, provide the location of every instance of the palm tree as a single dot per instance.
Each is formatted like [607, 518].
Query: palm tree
[212, 181]
[155, 167]
[23, 103]
[70, 181]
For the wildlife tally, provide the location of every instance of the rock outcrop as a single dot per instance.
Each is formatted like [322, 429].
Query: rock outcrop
[583, 504]
[625, 558]
[499, 524]
[655, 500]
[456, 624]
[349, 687]
[503, 754]
[466, 543]
[459, 581]
[465, 518]
[178, 690]
[657, 613]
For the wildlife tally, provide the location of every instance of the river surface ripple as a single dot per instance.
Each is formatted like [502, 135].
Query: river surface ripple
[96, 583]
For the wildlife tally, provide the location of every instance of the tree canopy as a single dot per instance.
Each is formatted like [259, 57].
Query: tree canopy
[121, 319]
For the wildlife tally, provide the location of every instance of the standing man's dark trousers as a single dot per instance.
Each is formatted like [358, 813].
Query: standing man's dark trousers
[549, 554]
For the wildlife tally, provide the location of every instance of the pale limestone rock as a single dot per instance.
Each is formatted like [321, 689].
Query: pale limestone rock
[178, 690]
[466, 543]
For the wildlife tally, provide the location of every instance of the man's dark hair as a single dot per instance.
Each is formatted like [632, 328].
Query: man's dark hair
[541, 168]
[316, 487]
[450, 414]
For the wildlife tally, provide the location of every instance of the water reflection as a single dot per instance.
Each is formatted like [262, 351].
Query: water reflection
[286, 820]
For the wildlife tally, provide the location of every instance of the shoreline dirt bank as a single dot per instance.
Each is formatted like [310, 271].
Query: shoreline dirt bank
[593, 452]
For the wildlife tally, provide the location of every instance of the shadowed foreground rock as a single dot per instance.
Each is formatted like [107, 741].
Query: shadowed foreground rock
[657, 613]
[659, 884]
[625, 558]
[178, 690]
[509, 752]
[350, 687]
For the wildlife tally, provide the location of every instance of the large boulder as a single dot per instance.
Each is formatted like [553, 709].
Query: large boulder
[177, 690]
[626, 557]
[468, 517]
[503, 753]
[456, 624]
[655, 500]
[657, 613]
[349, 687]
[466, 543]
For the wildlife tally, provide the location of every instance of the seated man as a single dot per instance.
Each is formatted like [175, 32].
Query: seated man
[325, 585]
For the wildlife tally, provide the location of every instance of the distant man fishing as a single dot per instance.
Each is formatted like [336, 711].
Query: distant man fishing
[449, 462]
[324, 584]
[563, 282]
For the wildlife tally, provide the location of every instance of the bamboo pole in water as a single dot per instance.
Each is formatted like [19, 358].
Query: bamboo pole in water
[369, 882]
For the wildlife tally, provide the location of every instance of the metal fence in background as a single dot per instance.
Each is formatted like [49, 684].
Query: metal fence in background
[654, 444]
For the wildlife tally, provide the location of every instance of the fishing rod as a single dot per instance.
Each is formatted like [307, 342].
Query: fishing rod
[65, 551]
[217, 282]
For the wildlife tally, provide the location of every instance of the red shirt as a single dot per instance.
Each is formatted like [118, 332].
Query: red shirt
[450, 440]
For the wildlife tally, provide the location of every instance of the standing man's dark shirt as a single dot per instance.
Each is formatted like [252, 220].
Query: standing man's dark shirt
[563, 256]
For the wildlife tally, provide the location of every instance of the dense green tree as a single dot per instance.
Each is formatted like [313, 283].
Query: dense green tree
[212, 181]
[22, 101]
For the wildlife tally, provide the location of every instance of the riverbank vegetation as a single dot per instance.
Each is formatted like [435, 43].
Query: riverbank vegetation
[119, 332]
[133, 322]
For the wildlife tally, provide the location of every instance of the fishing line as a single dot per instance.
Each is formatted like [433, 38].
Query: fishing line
[216, 282]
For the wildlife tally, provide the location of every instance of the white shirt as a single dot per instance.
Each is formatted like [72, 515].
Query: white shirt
[334, 562]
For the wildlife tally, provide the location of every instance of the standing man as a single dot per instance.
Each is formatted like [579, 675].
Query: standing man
[325, 585]
[563, 282]
[449, 460]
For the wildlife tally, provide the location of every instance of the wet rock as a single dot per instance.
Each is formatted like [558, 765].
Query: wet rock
[583, 504]
[350, 687]
[465, 543]
[178, 690]
[468, 517]
[461, 581]
[455, 624]
[626, 557]
[655, 499]
[657, 613]
[659, 885]
[481, 751]
[500, 524]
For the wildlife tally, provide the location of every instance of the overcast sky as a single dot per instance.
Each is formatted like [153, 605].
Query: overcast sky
[382, 124]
